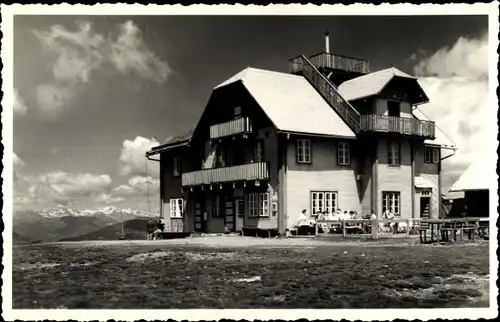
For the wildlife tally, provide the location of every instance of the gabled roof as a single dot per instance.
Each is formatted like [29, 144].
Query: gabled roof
[291, 103]
[441, 139]
[477, 175]
[182, 139]
[370, 84]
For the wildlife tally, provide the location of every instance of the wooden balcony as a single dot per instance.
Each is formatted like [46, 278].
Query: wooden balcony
[333, 61]
[401, 125]
[244, 172]
[240, 125]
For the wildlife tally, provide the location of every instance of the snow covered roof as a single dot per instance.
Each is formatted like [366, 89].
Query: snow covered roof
[291, 103]
[370, 84]
[478, 175]
[441, 139]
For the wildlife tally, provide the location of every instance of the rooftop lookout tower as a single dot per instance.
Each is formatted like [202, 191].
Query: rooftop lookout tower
[337, 68]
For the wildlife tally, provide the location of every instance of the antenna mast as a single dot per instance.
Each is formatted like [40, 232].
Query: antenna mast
[147, 186]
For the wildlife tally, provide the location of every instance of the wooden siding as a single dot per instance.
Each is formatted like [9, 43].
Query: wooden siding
[171, 188]
[395, 178]
[270, 137]
[323, 174]
[430, 172]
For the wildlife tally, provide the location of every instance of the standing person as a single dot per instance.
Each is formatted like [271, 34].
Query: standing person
[150, 226]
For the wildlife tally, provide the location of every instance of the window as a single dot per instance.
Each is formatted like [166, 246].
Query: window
[258, 204]
[431, 155]
[435, 155]
[176, 208]
[237, 111]
[427, 155]
[394, 155]
[391, 201]
[393, 108]
[303, 151]
[177, 167]
[323, 201]
[259, 151]
[217, 207]
[343, 153]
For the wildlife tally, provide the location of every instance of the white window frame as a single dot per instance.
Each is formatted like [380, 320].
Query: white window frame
[435, 155]
[343, 153]
[324, 200]
[431, 155]
[391, 198]
[304, 151]
[177, 208]
[427, 155]
[258, 204]
[176, 167]
[394, 156]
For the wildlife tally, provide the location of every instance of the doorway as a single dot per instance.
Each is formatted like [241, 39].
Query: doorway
[239, 206]
[199, 224]
[425, 207]
[229, 215]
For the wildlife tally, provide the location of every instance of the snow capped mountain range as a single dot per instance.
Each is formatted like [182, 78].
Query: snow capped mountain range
[106, 211]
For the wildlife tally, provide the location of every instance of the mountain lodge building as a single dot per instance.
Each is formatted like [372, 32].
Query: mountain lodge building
[328, 135]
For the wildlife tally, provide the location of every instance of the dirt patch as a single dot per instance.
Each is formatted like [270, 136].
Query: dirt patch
[209, 256]
[468, 287]
[140, 258]
[39, 266]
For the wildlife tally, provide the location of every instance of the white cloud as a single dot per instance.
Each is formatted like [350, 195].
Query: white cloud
[133, 158]
[129, 54]
[80, 53]
[19, 104]
[17, 162]
[108, 199]
[138, 186]
[467, 58]
[455, 79]
[145, 184]
[62, 188]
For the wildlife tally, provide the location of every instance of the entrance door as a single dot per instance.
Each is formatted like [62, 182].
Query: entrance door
[229, 216]
[239, 211]
[198, 217]
[425, 207]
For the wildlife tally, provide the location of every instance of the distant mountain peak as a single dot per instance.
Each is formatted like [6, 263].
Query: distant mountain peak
[107, 210]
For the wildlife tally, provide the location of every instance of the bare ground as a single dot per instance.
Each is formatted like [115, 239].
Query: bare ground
[245, 272]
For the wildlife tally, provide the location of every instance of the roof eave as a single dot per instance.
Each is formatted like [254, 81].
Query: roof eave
[165, 147]
[316, 134]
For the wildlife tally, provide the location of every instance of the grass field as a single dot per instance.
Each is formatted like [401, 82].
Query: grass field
[155, 275]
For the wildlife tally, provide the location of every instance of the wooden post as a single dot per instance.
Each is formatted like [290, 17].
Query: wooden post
[375, 228]
[407, 228]
[344, 234]
[461, 232]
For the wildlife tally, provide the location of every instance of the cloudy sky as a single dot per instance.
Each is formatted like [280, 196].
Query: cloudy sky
[93, 93]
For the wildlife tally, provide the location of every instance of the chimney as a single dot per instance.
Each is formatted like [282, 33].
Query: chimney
[327, 42]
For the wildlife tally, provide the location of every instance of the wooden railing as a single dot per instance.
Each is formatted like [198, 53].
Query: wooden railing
[334, 61]
[394, 124]
[236, 126]
[329, 92]
[244, 172]
[439, 228]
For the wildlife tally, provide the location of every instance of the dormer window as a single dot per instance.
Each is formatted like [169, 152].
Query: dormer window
[237, 111]
[394, 108]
